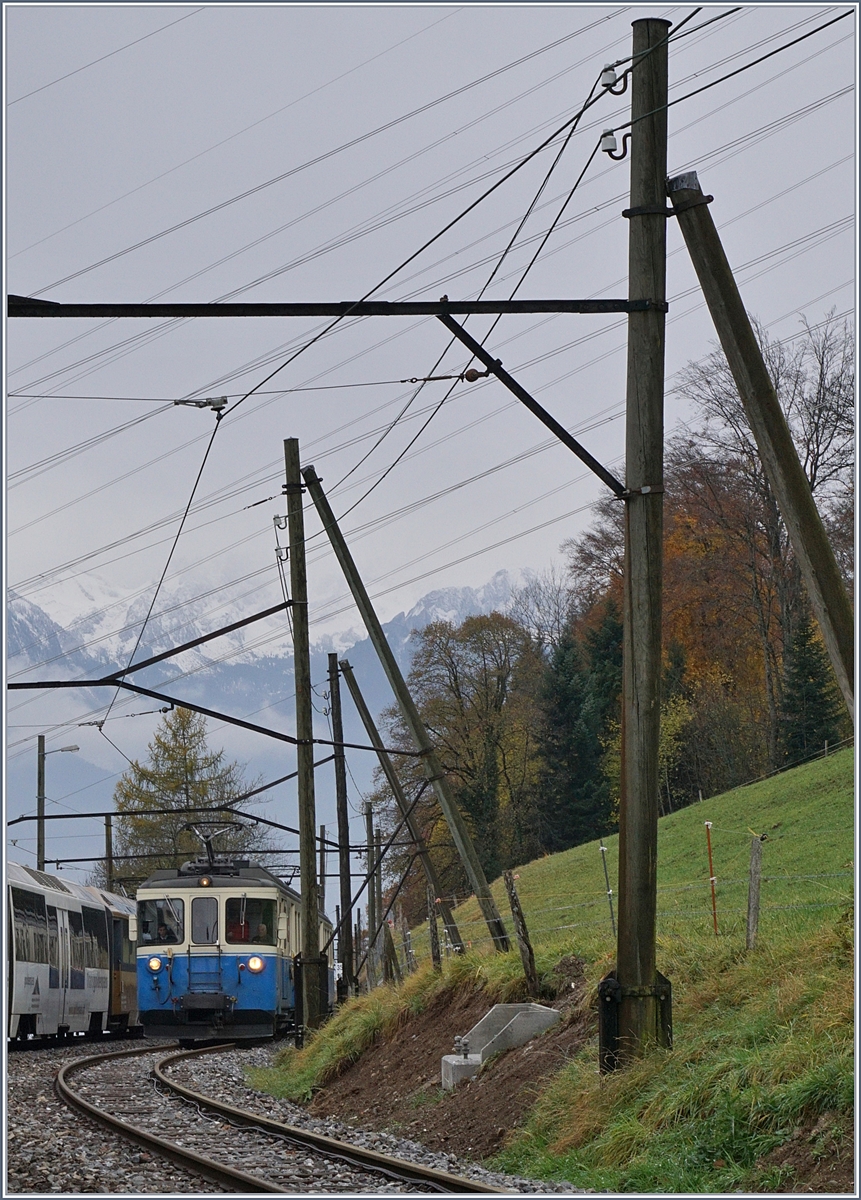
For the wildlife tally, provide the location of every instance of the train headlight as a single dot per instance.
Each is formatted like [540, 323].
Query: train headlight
[255, 964]
[154, 964]
[204, 881]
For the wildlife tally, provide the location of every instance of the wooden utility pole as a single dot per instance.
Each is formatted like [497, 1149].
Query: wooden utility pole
[40, 802]
[109, 853]
[409, 712]
[309, 915]
[345, 939]
[403, 804]
[825, 587]
[638, 1020]
[321, 889]
[378, 883]
[372, 896]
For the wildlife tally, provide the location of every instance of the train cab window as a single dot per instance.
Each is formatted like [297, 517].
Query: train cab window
[250, 919]
[161, 922]
[204, 920]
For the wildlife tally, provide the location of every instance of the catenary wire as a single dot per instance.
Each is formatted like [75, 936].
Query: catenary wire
[149, 335]
[311, 162]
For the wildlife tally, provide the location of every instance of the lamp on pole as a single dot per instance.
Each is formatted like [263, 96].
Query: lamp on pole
[40, 797]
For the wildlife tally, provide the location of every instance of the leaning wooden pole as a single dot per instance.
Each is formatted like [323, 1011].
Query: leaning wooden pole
[404, 806]
[825, 587]
[345, 938]
[432, 766]
[638, 1024]
[309, 914]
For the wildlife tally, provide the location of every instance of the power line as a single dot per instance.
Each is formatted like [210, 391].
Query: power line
[320, 158]
[119, 50]
[231, 137]
[361, 230]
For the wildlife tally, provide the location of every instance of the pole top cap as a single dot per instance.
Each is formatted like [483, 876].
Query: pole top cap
[687, 182]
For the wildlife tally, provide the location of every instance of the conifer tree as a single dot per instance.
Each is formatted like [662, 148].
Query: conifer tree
[581, 703]
[812, 709]
[180, 774]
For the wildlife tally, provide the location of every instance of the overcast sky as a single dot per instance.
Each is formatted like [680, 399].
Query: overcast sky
[303, 152]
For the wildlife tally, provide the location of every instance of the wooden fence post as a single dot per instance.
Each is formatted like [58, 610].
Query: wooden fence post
[434, 932]
[526, 955]
[753, 890]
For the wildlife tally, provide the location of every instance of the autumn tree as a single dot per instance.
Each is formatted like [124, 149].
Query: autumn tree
[181, 774]
[719, 487]
[475, 685]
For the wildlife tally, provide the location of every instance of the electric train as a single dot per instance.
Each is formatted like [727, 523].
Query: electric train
[217, 945]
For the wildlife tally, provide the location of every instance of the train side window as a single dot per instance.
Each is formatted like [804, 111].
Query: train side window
[123, 948]
[95, 937]
[78, 953]
[204, 920]
[53, 948]
[31, 926]
[160, 922]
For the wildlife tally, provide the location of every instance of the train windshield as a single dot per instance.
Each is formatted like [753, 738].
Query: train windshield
[161, 922]
[250, 919]
[204, 920]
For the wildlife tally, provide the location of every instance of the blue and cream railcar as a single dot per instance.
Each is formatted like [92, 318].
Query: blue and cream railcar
[71, 965]
[215, 949]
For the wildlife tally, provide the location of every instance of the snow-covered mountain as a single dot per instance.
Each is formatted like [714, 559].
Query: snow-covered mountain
[247, 674]
[103, 632]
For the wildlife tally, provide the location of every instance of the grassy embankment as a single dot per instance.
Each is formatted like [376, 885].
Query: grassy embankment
[763, 1038]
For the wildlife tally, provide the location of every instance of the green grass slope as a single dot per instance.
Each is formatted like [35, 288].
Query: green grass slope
[763, 1039]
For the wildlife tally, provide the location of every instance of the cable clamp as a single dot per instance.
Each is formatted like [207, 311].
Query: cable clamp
[661, 990]
[680, 208]
[646, 490]
[658, 210]
[292, 489]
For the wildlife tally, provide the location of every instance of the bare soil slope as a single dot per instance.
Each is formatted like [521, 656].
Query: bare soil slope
[396, 1084]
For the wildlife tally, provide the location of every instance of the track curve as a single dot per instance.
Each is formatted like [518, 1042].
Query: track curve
[102, 1096]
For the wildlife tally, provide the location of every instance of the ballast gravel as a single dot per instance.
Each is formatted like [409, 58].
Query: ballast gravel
[52, 1150]
[224, 1077]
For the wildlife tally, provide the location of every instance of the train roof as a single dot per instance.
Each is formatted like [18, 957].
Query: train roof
[21, 876]
[222, 873]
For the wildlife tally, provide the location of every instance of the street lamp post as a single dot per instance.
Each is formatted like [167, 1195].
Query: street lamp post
[40, 797]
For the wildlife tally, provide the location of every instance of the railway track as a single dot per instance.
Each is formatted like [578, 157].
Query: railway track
[133, 1093]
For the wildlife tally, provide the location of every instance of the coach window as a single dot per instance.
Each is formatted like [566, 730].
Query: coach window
[53, 949]
[161, 921]
[204, 920]
[31, 926]
[95, 937]
[77, 951]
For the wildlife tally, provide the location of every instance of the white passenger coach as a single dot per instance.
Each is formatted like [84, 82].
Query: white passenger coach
[71, 966]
